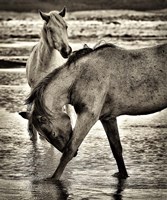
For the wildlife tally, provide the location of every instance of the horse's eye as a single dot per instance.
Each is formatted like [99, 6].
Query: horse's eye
[66, 27]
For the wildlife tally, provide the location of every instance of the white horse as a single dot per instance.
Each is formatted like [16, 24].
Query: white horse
[49, 53]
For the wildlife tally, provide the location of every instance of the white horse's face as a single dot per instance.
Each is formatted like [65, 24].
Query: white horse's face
[56, 29]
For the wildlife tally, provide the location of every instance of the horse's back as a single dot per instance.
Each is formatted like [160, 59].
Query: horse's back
[138, 80]
[130, 81]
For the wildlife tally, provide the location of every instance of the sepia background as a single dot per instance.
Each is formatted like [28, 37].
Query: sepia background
[23, 164]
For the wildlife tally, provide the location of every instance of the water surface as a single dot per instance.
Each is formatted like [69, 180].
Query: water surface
[25, 165]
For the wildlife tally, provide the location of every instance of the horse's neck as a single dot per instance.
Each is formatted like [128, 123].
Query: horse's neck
[59, 87]
[48, 58]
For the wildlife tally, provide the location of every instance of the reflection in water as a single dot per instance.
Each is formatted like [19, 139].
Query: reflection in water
[19, 156]
[120, 188]
[48, 189]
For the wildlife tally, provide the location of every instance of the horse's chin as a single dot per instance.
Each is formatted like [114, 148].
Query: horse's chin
[60, 149]
[66, 52]
[64, 55]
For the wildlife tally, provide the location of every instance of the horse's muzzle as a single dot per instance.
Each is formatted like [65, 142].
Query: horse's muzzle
[66, 51]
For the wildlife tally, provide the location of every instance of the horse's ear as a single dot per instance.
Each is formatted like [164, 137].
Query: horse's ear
[44, 16]
[86, 46]
[63, 12]
[25, 115]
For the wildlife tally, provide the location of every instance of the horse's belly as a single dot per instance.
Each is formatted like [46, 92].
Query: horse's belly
[143, 109]
[144, 103]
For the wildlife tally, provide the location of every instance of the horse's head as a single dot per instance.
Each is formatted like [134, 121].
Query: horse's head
[56, 32]
[57, 130]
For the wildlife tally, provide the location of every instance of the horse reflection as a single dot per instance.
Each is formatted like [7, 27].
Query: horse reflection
[46, 189]
[120, 188]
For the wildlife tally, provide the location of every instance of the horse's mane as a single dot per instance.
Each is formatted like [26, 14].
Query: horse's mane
[78, 54]
[97, 47]
[36, 96]
[86, 50]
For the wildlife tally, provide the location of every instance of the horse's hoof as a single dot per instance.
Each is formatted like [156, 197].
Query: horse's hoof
[120, 176]
[45, 180]
[55, 178]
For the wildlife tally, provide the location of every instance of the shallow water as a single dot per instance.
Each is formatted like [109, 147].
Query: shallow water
[25, 165]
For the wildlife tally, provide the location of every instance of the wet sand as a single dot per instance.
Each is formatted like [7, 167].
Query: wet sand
[25, 165]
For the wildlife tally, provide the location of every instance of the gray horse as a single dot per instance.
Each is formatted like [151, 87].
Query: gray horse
[101, 84]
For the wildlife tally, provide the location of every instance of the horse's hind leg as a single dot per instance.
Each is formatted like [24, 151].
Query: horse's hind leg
[111, 129]
[31, 129]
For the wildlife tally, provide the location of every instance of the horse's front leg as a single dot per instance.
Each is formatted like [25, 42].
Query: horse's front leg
[111, 129]
[83, 124]
[31, 129]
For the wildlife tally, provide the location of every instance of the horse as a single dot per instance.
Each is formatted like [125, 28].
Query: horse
[102, 84]
[50, 52]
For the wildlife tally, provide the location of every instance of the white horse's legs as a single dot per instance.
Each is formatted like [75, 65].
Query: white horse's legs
[111, 129]
[31, 129]
[71, 113]
[83, 124]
